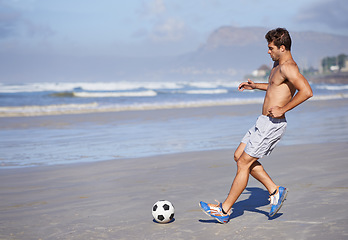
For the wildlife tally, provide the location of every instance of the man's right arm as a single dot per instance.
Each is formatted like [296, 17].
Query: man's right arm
[261, 86]
[250, 85]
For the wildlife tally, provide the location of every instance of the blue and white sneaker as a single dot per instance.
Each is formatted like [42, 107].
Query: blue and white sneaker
[277, 200]
[215, 212]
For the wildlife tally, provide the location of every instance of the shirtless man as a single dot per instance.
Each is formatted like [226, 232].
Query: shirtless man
[284, 81]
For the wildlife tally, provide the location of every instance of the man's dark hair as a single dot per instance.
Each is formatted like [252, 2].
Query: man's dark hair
[279, 36]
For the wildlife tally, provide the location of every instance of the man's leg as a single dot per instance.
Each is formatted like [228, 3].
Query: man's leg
[240, 181]
[257, 170]
[245, 165]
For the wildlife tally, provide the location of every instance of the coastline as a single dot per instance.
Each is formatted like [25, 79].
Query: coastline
[14, 122]
[331, 78]
[112, 199]
[69, 139]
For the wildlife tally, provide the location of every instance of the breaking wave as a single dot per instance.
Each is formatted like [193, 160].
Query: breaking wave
[109, 86]
[59, 109]
[36, 99]
[149, 93]
[95, 107]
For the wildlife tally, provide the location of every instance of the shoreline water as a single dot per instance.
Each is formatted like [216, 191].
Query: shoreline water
[64, 139]
[78, 189]
[94, 107]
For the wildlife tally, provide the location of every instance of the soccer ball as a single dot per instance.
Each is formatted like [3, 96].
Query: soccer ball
[163, 211]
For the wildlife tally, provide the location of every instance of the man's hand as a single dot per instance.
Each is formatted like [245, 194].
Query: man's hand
[275, 112]
[247, 85]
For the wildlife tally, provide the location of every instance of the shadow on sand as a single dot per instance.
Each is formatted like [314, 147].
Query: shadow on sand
[258, 198]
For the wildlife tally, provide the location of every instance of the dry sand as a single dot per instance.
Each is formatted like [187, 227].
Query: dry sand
[113, 199]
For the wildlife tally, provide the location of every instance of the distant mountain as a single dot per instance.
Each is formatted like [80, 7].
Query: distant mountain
[229, 53]
[241, 50]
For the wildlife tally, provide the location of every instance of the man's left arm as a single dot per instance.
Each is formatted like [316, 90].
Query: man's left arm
[304, 90]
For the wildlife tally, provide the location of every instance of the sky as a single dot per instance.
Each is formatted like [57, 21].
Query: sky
[151, 27]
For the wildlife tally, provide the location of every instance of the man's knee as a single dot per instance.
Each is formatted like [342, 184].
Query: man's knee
[241, 163]
[236, 156]
[239, 151]
[245, 161]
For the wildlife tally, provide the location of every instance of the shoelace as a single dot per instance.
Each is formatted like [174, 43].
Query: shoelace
[274, 199]
[215, 207]
[218, 206]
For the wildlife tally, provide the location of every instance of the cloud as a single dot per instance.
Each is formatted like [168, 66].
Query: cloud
[12, 23]
[153, 8]
[33, 29]
[161, 27]
[171, 30]
[157, 7]
[9, 20]
[330, 13]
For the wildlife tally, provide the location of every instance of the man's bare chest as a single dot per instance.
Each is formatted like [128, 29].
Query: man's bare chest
[275, 77]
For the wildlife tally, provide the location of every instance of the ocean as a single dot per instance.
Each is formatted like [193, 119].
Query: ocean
[90, 141]
[36, 99]
[60, 98]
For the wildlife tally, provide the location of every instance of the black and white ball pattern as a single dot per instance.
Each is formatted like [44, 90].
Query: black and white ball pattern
[163, 211]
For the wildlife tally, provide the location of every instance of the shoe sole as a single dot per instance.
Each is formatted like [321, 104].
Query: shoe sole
[282, 201]
[210, 215]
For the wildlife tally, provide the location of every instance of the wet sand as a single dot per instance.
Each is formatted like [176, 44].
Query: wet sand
[113, 199]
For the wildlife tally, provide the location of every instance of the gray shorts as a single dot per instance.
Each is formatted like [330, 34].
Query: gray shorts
[261, 139]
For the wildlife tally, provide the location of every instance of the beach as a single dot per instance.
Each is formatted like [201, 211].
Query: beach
[112, 197]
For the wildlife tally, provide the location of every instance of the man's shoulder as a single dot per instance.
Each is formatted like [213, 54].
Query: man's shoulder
[288, 67]
[288, 64]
